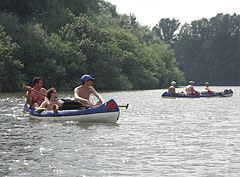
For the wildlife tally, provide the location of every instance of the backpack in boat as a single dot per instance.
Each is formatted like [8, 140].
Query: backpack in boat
[227, 91]
[69, 104]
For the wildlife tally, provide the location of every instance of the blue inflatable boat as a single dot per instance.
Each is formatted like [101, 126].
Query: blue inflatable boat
[225, 93]
[107, 112]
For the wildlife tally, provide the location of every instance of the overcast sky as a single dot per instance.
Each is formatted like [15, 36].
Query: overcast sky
[149, 12]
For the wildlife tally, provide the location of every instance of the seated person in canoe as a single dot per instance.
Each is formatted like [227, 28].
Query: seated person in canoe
[190, 89]
[82, 92]
[209, 91]
[172, 89]
[36, 95]
[53, 102]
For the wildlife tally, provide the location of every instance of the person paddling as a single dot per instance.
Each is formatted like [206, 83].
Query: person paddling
[34, 98]
[82, 93]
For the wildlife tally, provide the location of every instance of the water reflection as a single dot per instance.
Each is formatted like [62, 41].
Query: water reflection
[153, 137]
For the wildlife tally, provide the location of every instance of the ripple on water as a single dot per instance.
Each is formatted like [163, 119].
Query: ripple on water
[153, 137]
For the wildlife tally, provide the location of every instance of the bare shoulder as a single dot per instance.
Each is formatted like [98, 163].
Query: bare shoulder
[91, 88]
[77, 88]
[43, 90]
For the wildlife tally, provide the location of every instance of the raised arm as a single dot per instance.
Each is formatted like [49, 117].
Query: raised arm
[28, 95]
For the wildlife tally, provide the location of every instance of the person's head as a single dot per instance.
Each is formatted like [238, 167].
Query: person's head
[173, 83]
[191, 82]
[206, 83]
[37, 81]
[51, 92]
[86, 78]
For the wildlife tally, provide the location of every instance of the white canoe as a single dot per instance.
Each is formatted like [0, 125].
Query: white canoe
[105, 113]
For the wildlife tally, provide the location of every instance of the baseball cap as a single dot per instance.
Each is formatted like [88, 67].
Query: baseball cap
[86, 77]
[173, 82]
[191, 82]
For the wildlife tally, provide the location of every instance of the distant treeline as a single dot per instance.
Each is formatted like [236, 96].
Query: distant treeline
[206, 49]
[209, 50]
[60, 40]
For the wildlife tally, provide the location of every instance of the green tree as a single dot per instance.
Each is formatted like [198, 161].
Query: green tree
[166, 29]
[61, 40]
[54, 19]
[11, 77]
[100, 49]
[11, 24]
[66, 62]
[108, 9]
[208, 49]
[23, 7]
[33, 49]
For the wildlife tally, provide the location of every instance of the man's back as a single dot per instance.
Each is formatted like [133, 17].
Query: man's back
[171, 90]
[189, 89]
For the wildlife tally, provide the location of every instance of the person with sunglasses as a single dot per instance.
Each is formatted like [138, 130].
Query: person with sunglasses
[53, 102]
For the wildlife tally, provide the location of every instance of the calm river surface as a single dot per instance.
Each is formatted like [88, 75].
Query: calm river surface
[153, 137]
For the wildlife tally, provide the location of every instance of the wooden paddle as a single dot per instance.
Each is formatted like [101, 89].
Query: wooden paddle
[24, 86]
[124, 106]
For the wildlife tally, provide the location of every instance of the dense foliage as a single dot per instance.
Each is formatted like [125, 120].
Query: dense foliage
[60, 40]
[166, 30]
[10, 66]
[209, 50]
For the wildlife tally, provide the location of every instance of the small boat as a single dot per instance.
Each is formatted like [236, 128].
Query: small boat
[169, 95]
[225, 93]
[107, 112]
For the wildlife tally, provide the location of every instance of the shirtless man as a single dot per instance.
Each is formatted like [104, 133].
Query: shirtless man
[172, 88]
[82, 92]
[35, 99]
[190, 89]
[53, 104]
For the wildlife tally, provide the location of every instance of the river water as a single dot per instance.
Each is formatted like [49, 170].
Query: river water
[153, 137]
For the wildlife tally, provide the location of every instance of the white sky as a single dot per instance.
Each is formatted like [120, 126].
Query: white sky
[149, 12]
